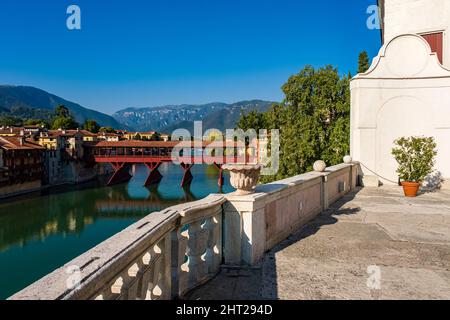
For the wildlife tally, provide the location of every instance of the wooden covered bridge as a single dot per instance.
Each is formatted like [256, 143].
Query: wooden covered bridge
[122, 154]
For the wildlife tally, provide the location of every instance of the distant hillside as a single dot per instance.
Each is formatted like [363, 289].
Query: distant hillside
[157, 118]
[30, 102]
[168, 118]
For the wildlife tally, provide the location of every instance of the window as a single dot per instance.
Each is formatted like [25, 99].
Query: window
[436, 41]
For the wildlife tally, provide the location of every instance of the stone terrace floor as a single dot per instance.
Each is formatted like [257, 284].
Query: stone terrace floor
[408, 239]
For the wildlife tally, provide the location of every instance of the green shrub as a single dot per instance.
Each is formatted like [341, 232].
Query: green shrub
[415, 156]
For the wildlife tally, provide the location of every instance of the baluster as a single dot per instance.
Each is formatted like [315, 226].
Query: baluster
[119, 287]
[145, 275]
[152, 289]
[106, 293]
[214, 251]
[180, 267]
[161, 290]
[197, 245]
[166, 280]
[132, 286]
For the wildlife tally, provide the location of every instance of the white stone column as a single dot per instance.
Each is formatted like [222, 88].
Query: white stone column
[244, 229]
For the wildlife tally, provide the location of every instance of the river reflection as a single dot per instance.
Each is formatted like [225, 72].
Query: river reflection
[41, 232]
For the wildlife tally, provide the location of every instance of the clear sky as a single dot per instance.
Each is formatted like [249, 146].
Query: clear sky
[138, 53]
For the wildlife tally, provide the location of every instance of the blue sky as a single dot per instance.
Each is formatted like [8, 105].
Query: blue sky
[139, 53]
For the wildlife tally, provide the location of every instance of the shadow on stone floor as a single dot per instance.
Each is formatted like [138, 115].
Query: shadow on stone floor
[260, 282]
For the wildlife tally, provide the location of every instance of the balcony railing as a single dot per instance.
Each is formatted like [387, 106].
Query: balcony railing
[162, 256]
[168, 253]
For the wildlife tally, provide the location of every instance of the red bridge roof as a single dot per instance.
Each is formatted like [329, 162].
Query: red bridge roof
[161, 144]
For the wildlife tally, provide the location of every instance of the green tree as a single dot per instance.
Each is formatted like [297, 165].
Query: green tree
[66, 123]
[107, 130]
[10, 121]
[155, 137]
[63, 119]
[36, 122]
[363, 62]
[62, 111]
[92, 126]
[313, 119]
[251, 120]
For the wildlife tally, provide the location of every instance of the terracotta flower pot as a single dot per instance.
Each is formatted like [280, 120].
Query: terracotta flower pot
[411, 188]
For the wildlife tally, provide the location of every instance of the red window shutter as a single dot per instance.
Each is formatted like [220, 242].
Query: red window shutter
[436, 41]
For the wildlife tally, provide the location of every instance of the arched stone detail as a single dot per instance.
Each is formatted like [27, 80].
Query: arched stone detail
[401, 116]
[405, 56]
[405, 92]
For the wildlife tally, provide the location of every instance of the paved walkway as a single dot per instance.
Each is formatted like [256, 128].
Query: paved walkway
[407, 240]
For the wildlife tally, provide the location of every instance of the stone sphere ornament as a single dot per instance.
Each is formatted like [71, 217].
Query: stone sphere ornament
[348, 159]
[244, 178]
[320, 166]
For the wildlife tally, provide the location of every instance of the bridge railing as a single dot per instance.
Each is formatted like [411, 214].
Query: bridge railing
[162, 256]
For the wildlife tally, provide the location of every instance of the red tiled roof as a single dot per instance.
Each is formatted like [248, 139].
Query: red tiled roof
[69, 133]
[158, 144]
[15, 143]
[145, 133]
[11, 130]
[106, 134]
[87, 133]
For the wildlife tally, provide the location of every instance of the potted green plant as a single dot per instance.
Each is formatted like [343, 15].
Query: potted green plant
[416, 159]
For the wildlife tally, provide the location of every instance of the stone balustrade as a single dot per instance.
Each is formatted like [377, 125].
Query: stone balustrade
[255, 223]
[162, 256]
[168, 253]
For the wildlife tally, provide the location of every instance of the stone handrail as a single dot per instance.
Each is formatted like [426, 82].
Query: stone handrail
[162, 256]
[171, 252]
[257, 222]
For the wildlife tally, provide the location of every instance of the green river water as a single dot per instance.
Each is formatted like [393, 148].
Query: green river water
[41, 232]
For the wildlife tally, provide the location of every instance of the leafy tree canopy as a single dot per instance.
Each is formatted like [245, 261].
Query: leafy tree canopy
[314, 120]
[62, 111]
[363, 63]
[37, 122]
[155, 137]
[107, 130]
[137, 137]
[10, 121]
[66, 123]
[63, 119]
[92, 126]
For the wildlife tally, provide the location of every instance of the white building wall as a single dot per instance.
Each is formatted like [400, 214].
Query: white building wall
[406, 92]
[418, 17]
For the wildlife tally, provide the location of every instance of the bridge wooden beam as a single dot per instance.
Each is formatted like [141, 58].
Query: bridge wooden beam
[154, 177]
[121, 173]
[187, 176]
[220, 180]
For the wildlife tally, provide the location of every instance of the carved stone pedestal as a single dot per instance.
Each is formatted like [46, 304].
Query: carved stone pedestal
[243, 177]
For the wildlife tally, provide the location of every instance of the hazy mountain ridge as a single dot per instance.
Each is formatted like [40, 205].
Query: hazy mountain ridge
[32, 103]
[216, 115]
[21, 100]
[158, 118]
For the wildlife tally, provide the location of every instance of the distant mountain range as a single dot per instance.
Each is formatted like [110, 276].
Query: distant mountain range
[33, 103]
[216, 115]
[30, 102]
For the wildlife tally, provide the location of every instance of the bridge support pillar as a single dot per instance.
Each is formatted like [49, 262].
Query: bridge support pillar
[121, 173]
[187, 177]
[220, 181]
[154, 176]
